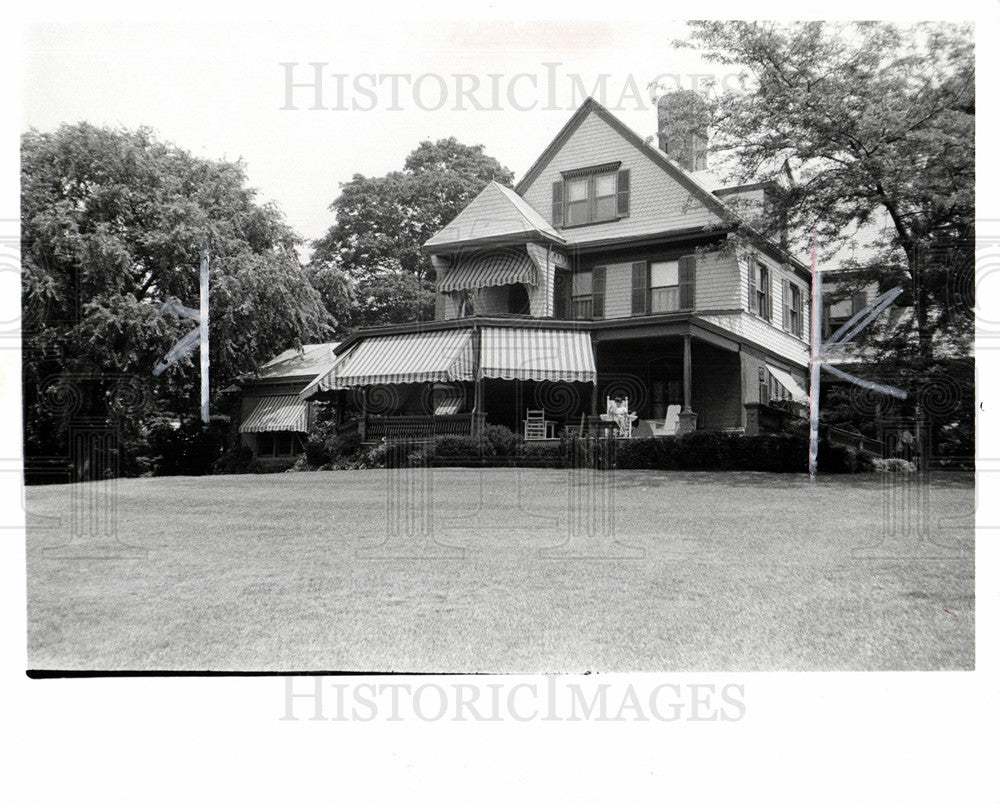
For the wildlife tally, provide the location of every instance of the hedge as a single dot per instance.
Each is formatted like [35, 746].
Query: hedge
[783, 452]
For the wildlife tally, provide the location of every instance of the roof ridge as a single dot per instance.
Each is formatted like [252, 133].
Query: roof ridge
[516, 201]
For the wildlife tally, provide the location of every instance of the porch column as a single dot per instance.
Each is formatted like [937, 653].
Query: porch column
[687, 419]
[364, 413]
[477, 386]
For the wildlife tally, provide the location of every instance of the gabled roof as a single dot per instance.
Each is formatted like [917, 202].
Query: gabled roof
[699, 185]
[497, 214]
[591, 106]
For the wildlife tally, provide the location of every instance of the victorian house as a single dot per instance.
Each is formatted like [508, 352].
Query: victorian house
[617, 268]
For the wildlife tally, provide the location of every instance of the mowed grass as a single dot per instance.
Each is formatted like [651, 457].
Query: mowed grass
[710, 572]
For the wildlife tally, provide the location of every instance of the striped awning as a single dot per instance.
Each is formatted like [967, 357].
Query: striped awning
[277, 413]
[788, 382]
[506, 267]
[391, 359]
[537, 354]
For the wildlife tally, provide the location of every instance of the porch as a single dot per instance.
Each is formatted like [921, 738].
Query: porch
[456, 380]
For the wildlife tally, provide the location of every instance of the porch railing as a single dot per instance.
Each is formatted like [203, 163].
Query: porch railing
[394, 428]
[844, 438]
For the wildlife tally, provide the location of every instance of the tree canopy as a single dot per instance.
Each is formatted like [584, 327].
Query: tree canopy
[383, 221]
[861, 123]
[869, 129]
[112, 224]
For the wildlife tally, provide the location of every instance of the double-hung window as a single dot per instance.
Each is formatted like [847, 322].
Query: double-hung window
[793, 308]
[591, 195]
[760, 290]
[664, 287]
[583, 294]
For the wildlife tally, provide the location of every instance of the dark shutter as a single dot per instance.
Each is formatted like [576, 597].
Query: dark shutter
[640, 287]
[752, 287]
[563, 294]
[624, 186]
[799, 310]
[557, 203]
[597, 294]
[768, 296]
[786, 305]
[685, 272]
[859, 301]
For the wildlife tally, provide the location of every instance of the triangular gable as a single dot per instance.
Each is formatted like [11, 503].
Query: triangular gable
[651, 152]
[497, 214]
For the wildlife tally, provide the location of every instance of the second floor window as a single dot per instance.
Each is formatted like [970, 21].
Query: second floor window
[841, 311]
[664, 287]
[760, 290]
[792, 309]
[587, 293]
[583, 294]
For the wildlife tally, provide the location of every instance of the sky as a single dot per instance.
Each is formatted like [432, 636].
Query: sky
[218, 90]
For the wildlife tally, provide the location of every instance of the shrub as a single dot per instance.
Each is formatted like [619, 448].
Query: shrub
[648, 453]
[838, 459]
[893, 465]
[587, 452]
[545, 454]
[320, 444]
[502, 440]
[238, 461]
[705, 450]
[191, 448]
[457, 446]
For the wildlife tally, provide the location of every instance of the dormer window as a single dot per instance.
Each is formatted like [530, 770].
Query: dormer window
[591, 195]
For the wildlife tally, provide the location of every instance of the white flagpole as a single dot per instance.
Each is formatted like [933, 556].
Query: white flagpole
[203, 324]
[816, 330]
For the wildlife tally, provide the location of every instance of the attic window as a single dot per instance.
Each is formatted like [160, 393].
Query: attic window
[591, 195]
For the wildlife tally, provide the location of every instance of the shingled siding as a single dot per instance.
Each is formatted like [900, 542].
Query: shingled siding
[778, 273]
[767, 336]
[716, 285]
[657, 202]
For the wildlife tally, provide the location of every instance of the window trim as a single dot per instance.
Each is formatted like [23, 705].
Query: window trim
[756, 266]
[652, 287]
[687, 288]
[590, 173]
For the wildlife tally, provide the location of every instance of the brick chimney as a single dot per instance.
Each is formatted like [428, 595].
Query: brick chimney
[682, 126]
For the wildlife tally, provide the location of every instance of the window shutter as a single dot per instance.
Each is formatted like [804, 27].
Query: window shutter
[751, 286]
[786, 305]
[563, 296]
[685, 272]
[858, 302]
[557, 203]
[799, 308]
[768, 293]
[597, 293]
[624, 186]
[640, 287]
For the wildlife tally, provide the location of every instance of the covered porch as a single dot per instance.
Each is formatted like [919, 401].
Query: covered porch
[454, 379]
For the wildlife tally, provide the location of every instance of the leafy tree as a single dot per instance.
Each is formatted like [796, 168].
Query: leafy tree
[383, 221]
[865, 126]
[112, 224]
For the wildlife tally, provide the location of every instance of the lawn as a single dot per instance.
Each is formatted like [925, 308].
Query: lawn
[663, 571]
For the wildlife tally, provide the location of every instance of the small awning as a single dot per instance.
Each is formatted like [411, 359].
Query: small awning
[789, 383]
[537, 354]
[504, 267]
[277, 413]
[394, 359]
